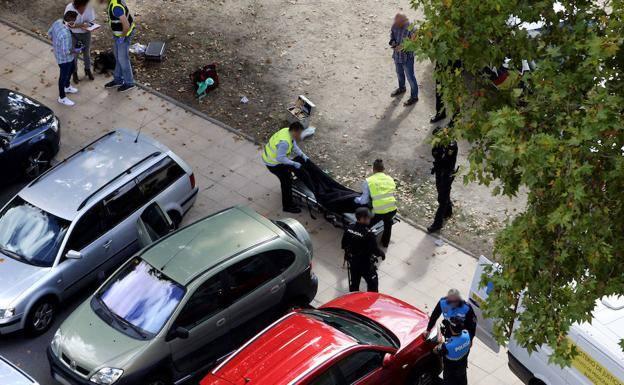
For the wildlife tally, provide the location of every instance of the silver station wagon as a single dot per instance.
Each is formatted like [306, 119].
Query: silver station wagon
[77, 222]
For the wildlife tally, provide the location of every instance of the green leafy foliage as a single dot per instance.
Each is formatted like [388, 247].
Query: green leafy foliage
[556, 132]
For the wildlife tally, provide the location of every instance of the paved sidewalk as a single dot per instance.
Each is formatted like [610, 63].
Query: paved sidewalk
[229, 172]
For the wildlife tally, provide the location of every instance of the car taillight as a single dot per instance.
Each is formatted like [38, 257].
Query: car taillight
[192, 179]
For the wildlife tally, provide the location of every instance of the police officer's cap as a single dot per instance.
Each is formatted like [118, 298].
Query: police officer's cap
[362, 212]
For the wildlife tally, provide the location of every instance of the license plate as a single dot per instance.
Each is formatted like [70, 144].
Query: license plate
[61, 379]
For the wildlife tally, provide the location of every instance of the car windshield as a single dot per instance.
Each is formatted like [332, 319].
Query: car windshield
[363, 330]
[141, 297]
[30, 234]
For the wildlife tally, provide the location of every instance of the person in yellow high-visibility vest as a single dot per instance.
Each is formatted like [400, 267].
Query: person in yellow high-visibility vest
[123, 27]
[278, 155]
[380, 189]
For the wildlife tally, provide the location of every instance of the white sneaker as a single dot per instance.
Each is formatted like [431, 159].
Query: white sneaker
[66, 101]
[71, 90]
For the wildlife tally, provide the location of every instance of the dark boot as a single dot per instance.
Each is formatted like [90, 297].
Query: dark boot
[434, 228]
[89, 74]
[411, 101]
[397, 92]
[437, 117]
[76, 78]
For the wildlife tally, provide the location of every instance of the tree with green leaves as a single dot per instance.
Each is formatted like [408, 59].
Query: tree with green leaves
[555, 132]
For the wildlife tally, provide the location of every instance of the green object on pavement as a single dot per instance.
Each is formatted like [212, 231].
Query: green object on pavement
[202, 87]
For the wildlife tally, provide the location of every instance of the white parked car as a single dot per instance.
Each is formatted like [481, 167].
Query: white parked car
[601, 359]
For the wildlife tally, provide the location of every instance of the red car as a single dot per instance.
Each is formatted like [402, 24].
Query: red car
[361, 338]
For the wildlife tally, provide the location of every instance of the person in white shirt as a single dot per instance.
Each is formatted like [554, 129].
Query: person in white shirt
[81, 35]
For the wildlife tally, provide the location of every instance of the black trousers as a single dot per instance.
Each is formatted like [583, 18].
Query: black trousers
[444, 181]
[66, 71]
[388, 221]
[455, 373]
[284, 174]
[369, 273]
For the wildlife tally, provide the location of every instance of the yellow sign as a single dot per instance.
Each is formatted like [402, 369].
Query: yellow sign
[593, 370]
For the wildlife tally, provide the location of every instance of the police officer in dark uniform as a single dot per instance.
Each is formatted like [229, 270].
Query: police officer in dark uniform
[455, 350]
[454, 307]
[361, 252]
[444, 161]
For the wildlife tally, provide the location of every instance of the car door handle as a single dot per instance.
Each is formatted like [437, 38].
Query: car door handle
[275, 289]
[221, 322]
[107, 244]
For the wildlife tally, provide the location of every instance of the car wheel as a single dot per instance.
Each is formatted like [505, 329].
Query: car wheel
[423, 378]
[37, 162]
[41, 316]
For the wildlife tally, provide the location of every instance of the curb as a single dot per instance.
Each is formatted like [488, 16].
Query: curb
[233, 130]
[152, 91]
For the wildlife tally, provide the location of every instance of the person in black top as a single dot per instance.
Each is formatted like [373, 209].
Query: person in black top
[454, 307]
[361, 252]
[440, 113]
[445, 158]
[454, 350]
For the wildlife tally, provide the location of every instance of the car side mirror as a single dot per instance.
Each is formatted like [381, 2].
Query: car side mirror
[73, 254]
[387, 360]
[178, 332]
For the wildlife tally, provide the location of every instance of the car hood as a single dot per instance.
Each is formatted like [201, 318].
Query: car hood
[404, 320]
[16, 277]
[92, 343]
[18, 111]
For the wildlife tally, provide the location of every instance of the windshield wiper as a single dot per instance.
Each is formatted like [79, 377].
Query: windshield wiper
[13, 254]
[120, 320]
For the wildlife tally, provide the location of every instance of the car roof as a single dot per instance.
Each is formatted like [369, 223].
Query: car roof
[284, 353]
[191, 251]
[606, 329]
[63, 189]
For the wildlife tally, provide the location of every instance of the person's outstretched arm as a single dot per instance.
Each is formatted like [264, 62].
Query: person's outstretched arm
[365, 197]
[437, 311]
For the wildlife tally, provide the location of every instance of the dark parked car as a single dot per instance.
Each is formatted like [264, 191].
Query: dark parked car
[29, 136]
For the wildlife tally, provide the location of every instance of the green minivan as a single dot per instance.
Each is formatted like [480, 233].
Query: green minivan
[178, 306]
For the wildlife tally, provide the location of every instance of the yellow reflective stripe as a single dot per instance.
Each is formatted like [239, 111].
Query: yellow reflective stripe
[385, 207]
[267, 158]
[382, 196]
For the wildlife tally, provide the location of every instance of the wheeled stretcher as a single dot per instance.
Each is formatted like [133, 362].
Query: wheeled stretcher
[316, 191]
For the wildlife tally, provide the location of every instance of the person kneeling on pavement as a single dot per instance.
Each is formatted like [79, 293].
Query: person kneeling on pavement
[454, 351]
[361, 252]
[278, 156]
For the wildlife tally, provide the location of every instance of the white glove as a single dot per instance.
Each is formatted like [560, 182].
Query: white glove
[297, 165]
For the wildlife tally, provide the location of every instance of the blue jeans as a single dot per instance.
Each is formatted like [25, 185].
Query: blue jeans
[407, 69]
[123, 67]
[67, 69]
